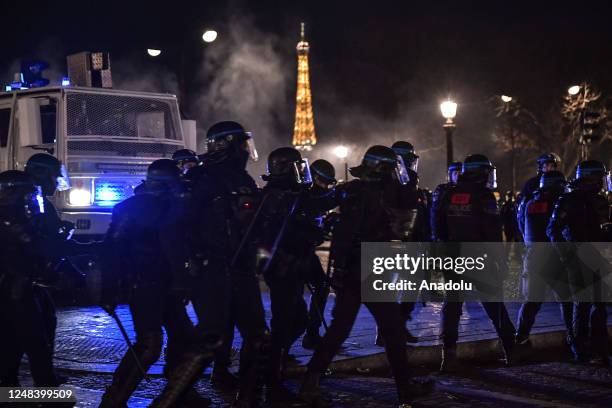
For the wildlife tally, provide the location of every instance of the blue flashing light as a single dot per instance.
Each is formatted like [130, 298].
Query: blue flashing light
[65, 81]
[8, 88]
[108, 193]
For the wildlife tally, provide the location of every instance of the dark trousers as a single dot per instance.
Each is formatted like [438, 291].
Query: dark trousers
[590, 319]
[152, 308]
[29, 326]
[222, 300]
[388, 319]
[289, 311]
[588, 273]
[543, 270]
[319, 288]
[451, 314]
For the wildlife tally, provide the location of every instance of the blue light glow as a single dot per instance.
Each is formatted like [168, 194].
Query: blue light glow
[109, 193]
[65, 81]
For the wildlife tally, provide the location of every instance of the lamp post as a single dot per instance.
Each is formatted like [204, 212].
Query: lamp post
[573, 92]
[341, 152]
[449, 111]
[508, 110]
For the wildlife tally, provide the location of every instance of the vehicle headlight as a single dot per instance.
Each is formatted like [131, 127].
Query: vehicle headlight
[79, 196]
[80, 193]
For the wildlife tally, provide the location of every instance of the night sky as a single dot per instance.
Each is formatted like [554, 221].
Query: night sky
[378, 71]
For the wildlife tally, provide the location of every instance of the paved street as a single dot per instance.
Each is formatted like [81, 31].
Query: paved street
[89, 346]
[549, 384]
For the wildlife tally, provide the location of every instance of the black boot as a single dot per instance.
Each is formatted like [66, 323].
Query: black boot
[310, 392]
[415, 389]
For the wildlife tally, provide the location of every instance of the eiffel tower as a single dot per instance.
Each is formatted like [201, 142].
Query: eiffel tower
[303, 130]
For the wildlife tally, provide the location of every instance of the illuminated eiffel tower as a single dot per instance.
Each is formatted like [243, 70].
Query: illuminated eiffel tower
[303, 130]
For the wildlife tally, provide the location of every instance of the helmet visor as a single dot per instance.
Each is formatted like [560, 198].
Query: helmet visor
[250, 145]
[301, 170]
[492, 179]
[63, 181]
[401, 172]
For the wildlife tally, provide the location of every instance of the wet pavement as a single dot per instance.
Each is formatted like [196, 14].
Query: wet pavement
[89, 340]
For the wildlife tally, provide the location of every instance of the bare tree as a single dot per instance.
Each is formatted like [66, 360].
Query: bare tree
[558, 129]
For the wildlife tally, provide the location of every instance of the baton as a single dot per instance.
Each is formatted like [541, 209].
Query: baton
[113, 314]
[316, 305]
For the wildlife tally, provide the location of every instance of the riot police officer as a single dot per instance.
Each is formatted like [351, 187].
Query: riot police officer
[26, 326]
[140, 261]
[454, 170]
[323, 198]
[577, 221]
[546, 162]
[470, 214]
[289, 237]
[50, 175]
[224, 201]
[412, 218]
[185, 159]
[542, 268]
[363, 217]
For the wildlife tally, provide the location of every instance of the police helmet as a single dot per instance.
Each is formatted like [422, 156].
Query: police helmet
[286, 163]
[48, 173]
[406, 150]
[163, 174]
[185, 155]
[323, 170]
[454, 169]
[377, 163]
[594, 172]
[228, 138]
[552, 180]
[548, 158]
[478, 167]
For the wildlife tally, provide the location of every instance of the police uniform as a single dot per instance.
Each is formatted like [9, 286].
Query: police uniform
[141, 262]
[542, 268]
[577, 220]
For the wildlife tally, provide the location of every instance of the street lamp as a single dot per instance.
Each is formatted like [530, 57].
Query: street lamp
[449, 111]
[509, 111]
[209, 36]
[341, 152]
[573, 90]
[153, 52]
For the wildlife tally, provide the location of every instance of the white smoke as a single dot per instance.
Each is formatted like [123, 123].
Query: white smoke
[249, 83]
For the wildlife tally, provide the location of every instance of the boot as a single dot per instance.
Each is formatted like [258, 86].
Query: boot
[222, 379]
[310, 392]
[277, 395]
[450, 363]
[126, 378]
[415, 389]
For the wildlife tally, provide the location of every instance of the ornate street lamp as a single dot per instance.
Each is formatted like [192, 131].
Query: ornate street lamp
[449, 111]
